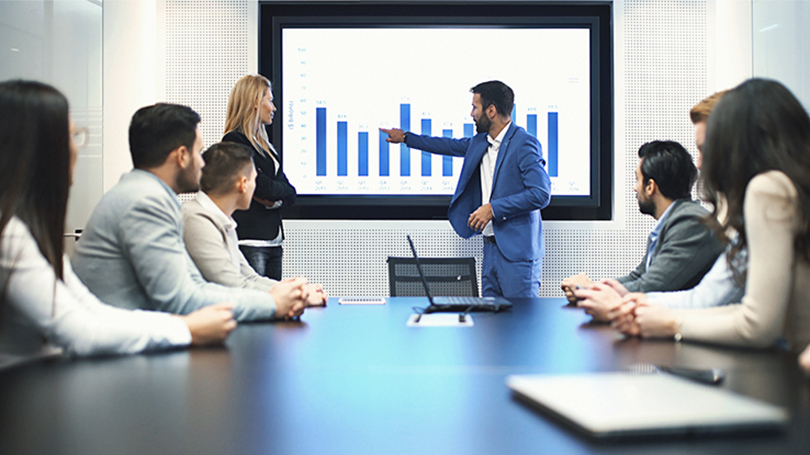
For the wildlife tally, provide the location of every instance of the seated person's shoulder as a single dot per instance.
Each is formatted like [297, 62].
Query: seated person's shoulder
[771, 184]
[195, 217]
[773, 195]
[191, 208]
[690, 209]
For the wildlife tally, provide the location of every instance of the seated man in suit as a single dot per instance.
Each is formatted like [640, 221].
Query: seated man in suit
[681, 248]
[131, 253]
[209, 232]
[717, 287]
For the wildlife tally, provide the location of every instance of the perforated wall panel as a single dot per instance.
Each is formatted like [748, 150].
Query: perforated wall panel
[664, 75]
[206, 53]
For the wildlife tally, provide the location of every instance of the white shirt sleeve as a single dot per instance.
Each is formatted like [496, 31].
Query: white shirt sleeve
[67, 314]
[717, 288]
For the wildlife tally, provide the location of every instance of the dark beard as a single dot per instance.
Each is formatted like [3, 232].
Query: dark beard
[646, 207]
[483, 124]
[186, 182]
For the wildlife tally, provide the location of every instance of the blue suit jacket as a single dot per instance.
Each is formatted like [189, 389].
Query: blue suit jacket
[520, 188]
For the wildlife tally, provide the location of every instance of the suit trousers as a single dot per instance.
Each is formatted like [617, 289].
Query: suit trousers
[500, 276]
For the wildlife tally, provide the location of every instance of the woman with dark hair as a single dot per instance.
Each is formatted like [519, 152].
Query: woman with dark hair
[40, 296]
[757, 156]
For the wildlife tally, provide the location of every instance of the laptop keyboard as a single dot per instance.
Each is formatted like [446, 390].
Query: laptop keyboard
[460, 300]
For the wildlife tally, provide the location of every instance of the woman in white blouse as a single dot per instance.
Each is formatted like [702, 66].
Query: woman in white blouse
[41, 299]
[757, 154]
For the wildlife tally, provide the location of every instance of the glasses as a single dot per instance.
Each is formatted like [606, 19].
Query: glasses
[80, 137]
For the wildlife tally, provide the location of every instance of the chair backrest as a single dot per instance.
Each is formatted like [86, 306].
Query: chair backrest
[445, 277]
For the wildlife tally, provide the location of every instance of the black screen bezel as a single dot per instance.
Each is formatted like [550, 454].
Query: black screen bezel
[274, 16]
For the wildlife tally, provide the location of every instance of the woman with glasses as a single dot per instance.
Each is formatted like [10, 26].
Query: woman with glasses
[250, 110]
[756, 154]
[40, 296]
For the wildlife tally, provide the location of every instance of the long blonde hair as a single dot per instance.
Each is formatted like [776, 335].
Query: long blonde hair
[243, 111]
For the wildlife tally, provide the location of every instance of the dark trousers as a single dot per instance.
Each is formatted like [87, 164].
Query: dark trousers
[265, 260]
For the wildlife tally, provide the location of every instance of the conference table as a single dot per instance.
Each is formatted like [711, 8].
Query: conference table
[355, 380]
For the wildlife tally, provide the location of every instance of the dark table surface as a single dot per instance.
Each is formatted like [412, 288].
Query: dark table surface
[355, 380]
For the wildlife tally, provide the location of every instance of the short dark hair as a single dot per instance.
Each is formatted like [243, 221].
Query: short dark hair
[224, 163]
[496, 93]
[671, 166]
[155, 131]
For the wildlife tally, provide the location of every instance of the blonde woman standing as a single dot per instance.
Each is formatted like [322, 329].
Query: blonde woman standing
[250, 110]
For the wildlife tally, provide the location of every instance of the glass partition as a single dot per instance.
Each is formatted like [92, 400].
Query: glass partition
[782, 44]
[60, 43]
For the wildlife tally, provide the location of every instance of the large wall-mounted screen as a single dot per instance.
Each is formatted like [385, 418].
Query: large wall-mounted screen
[340, 77]
[339, 90]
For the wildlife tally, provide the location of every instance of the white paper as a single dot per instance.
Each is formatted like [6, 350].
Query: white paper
[361, 301]
[440, 320]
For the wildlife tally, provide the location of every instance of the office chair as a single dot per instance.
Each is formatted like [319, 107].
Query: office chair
[445, 277]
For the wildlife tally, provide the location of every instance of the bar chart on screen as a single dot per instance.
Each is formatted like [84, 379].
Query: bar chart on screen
[339, 91]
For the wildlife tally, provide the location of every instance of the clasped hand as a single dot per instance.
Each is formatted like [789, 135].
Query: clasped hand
[636, 316]
[291, 297]
[630, 313]
[598, 299]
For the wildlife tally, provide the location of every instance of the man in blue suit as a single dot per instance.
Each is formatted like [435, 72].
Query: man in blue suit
[502, 187]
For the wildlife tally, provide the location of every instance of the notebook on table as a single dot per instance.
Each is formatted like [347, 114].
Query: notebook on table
[459, 303]
[615, 405]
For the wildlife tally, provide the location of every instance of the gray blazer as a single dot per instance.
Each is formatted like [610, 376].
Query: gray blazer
[132, 255]
[686, 250]
[211, 249]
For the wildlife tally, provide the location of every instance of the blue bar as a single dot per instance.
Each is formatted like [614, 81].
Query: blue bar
[343, 148]
[426, 128]
[468, 130]
[552, 144]
[514, 113]
[531, 124]
[320, 141]
[447, 161]
[362, 150]
[383, 155]
[404, 151]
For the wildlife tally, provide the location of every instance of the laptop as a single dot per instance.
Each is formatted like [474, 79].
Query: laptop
[622, 404]
[461, 303]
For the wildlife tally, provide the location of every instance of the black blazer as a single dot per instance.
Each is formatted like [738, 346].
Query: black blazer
[258, 222]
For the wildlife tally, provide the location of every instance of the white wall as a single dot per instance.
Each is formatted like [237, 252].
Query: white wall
[669, 54]
[130, 76]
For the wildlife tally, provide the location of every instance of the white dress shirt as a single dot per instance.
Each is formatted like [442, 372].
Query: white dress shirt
[487, 169]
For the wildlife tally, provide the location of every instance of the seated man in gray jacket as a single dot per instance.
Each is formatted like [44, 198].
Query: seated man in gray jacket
[681, 248]
[131, 253]
[209, 232]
